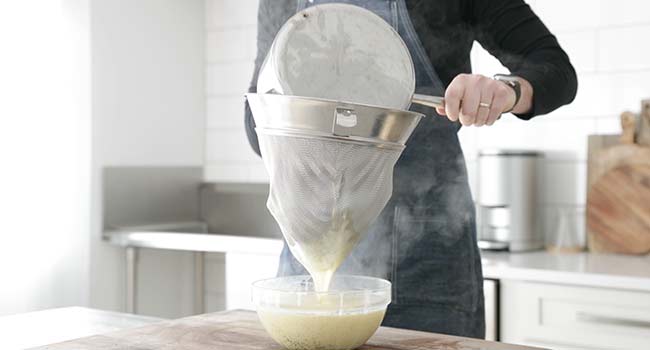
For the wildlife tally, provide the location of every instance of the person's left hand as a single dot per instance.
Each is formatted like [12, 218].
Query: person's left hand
[474, 99]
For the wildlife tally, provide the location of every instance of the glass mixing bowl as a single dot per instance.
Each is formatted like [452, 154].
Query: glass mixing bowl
[343, 318]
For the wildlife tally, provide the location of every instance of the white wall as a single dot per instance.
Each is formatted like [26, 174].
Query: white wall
[45, 152]
[607, 43]
[148, 110]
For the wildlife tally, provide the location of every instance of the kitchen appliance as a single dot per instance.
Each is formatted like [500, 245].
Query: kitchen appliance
[507, 202]
[618, 209]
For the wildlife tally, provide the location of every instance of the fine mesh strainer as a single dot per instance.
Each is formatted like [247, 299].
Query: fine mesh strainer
[330, 167]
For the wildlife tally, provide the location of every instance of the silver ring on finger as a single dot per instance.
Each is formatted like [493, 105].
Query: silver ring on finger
[485, 105]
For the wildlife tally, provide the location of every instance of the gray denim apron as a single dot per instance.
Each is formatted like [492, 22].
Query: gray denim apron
[424, 241]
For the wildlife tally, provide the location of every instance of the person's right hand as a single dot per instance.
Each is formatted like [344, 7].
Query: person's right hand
[475, 99]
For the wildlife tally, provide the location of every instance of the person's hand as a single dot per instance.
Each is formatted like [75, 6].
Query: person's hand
[474, 99]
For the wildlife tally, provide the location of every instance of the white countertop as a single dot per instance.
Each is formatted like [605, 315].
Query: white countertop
[40, 328]
[196, 242]
[587, 269]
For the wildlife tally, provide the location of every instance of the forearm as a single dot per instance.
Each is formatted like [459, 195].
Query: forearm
[510, 30]
[552, 78]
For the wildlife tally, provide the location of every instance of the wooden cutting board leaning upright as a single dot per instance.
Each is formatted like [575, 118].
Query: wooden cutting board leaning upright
[618, 196]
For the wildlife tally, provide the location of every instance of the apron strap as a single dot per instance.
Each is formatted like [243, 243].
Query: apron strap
[420, 58]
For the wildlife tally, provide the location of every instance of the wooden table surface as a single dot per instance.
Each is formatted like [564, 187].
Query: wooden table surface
[241, 330]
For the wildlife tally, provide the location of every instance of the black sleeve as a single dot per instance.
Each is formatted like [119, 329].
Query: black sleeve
[512, 32]
[271, 15]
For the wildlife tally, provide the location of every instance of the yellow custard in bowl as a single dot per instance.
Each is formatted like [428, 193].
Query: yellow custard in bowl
[343, 318]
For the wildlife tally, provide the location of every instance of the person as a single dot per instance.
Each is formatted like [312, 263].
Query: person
[426, 235]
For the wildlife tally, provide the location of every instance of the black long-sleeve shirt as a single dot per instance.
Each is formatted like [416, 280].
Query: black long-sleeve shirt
[508, 29]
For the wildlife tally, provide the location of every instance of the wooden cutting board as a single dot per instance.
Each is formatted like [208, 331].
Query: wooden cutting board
[241, 330]
[618, 200]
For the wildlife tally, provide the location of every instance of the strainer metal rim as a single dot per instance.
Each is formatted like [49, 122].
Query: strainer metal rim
[314, 135]
[327, 118]
[343, 103]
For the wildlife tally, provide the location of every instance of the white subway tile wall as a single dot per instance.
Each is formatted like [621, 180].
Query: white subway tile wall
[231, 32]
[606, 40]
[227, 79]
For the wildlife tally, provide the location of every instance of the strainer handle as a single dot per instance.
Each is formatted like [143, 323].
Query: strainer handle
[429, 101]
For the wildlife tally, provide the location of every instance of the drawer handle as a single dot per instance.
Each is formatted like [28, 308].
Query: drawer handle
[613, 321]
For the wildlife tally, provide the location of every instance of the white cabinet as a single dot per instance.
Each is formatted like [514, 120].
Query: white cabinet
[570, 317]
[491, 293]
[229, 277]
[241, 271]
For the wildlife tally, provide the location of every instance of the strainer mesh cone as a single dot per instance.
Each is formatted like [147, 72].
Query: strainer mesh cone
[325, 193]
